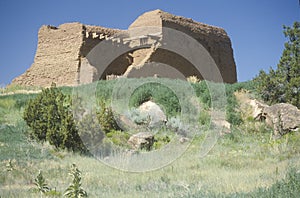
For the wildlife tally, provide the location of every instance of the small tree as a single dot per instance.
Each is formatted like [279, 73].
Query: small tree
[283, 84]
[50, 118]
[75, 190]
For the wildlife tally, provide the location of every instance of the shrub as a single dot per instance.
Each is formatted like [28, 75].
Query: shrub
[50, 119]
[137, 117]
[118, 138]
[233, 116]
[204, 118]
[106, 118]
[160, 141]
[202, 92]
[178, 126]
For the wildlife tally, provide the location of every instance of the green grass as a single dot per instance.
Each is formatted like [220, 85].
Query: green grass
[234, 167]
[244, 163]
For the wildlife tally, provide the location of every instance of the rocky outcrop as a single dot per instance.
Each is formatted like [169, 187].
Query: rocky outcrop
[142, 140]
[283, 117]
[62, 54]
[258, 109]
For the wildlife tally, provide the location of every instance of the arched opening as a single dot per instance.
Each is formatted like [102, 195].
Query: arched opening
[160, 62]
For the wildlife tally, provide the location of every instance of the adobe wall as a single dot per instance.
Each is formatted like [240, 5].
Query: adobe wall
[214, 39]
[62, 52]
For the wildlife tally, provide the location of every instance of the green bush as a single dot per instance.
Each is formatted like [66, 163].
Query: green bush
[204, 118]
[202, 91]
[160, 141]
[176, 125]
[118, 138]
[233, 115]
[137, 117]
[106, 118]
[50, 119]
[104, 89]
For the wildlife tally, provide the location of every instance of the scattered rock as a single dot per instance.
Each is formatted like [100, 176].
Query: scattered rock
[142, 140]
[183, 140]
[222, 123]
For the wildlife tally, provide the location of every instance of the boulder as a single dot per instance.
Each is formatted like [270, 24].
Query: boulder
[222, 124]
[257, 109]
[282, 117]
[218, 121]
[154, 112]
[142, 140]
[126, 123]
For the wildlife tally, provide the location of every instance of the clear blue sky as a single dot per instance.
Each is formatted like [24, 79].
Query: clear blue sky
[254, 26]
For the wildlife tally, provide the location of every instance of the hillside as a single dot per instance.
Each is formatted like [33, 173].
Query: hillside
[245, 160]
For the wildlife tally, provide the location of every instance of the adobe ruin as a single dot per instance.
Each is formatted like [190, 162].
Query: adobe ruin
[69, 55]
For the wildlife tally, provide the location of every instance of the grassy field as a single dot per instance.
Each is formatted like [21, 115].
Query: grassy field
[244, 163]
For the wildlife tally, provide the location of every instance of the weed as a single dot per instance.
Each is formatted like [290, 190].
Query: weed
[75, 190]
[41, 184]
[10, 165]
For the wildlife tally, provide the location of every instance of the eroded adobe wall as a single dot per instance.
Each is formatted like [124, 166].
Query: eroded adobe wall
[60, 54]
[216, 42]
[56, 59]
[214, 39]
